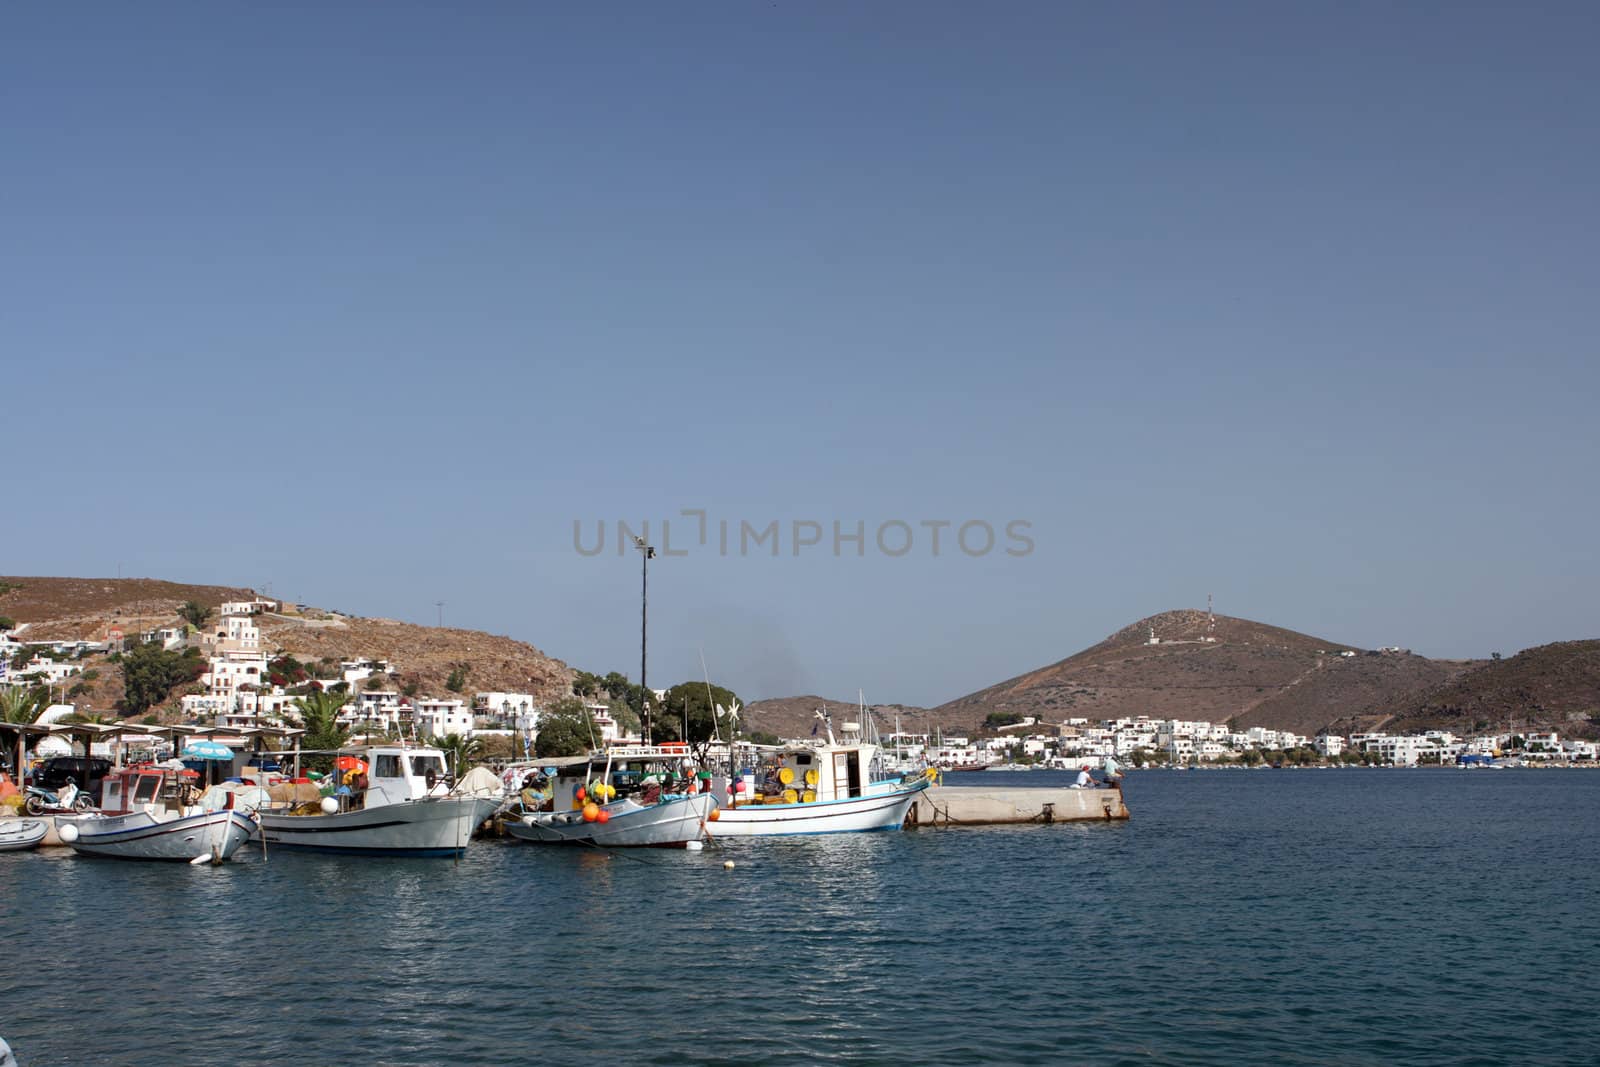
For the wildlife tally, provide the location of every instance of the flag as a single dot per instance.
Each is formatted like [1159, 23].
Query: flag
[814, 729]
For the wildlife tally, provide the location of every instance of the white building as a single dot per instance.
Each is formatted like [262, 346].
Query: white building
[1329, 745]
[437, 718]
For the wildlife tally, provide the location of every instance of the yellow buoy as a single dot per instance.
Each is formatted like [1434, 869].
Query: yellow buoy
[785, 775]
[808, 796]
[790, 796]
[812, 776]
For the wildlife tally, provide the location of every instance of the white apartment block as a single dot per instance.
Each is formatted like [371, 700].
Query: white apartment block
[437, 718]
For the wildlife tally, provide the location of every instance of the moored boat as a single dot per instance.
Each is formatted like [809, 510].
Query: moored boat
[822, 788]
[638, 796]
[141, 835]
[407, 809]
[670, 822]
[19, 834]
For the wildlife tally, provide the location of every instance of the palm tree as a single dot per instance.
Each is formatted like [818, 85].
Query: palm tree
[460, 750]
[319, 713]
[18, 705]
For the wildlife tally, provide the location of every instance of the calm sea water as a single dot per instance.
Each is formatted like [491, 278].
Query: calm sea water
[1306, 917]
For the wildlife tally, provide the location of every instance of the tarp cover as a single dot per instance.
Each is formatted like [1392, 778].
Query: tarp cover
[480, 782]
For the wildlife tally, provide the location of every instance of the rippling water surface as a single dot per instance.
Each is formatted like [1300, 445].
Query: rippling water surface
[1328, 917]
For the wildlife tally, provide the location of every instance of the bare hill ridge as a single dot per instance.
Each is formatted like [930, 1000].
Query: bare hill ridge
[88, 608]
[85, 608]
[1202, 667]
[1556, 686]
[794, 716]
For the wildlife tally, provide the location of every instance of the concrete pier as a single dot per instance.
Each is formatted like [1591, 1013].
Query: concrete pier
[941, 806]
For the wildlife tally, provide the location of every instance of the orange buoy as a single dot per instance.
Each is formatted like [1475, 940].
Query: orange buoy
[603, 816]
[579, 795]
[591, 812]
[712, 817]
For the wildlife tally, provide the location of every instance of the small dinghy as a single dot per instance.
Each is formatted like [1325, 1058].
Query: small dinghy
[19, 834]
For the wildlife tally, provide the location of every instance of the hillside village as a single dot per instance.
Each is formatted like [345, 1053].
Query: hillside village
[236, 660]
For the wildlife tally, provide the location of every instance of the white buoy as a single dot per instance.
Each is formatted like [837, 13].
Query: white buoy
[330, 806]
[200, 860]
[67, 832]
[727, 865]
[693, 846]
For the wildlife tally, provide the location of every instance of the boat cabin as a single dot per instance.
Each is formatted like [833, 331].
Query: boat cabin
[397, 773]
[806, 773]
[142, 788]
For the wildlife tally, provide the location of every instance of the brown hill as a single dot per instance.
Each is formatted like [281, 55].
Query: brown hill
[1218, 669]
[84, 608]
[794, 716]
[424, 656]
[1555, 686]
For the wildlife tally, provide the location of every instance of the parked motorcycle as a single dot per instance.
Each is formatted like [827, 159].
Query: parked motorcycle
[70, 796]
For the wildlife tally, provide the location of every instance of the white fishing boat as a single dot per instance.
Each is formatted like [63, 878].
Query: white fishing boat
[823, 787]
[634, 797]
[209, 835]
[19, 834]
[670, 822]
[407, 809]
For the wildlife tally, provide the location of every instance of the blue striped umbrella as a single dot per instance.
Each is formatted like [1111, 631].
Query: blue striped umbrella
[207, 750]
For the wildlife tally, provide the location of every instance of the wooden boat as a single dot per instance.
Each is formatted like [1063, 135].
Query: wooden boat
[407, 809]
[633, 797]
[19, 834]
[820, 788]
[142, 835]
[670, 822]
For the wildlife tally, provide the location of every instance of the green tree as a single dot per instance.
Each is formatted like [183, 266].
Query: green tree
[458, 677]
[7, 623]
[564, 730]
[585, 684]
[194, 613]
[319, 714]
[696, 700]
[19, 705]
[150, 672]
[461, 751]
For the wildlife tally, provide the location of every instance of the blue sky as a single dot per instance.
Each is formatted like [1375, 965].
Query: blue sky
[1291, 304]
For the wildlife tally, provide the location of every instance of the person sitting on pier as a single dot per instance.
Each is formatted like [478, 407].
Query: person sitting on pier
[1085, 781]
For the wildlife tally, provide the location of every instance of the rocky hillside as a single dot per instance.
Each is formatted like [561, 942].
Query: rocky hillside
[1556, 686]
[1227, 670]
[794, 716]
[423, 655]
[85, 608]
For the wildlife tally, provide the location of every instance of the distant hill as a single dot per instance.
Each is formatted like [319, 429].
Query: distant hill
[1556, 686]
[1222, 669]
[794, 716]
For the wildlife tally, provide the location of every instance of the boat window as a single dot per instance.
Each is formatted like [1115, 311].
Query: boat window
[422, 765]
[803, 759]
[387, 766]
[144, 792]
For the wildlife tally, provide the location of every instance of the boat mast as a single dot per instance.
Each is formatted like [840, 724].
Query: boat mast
[646, 554]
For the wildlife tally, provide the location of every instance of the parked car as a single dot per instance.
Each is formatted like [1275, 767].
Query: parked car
[57, 771]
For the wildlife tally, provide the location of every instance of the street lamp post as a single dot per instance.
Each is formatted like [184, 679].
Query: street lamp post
[646, 554]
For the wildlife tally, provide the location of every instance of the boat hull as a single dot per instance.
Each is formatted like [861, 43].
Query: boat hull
[19, 834]
[215, 834]
[429, 827]
[670, 824]
[879, 810]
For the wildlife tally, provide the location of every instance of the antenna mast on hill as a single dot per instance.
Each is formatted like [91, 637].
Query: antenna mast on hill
[1211, 616]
